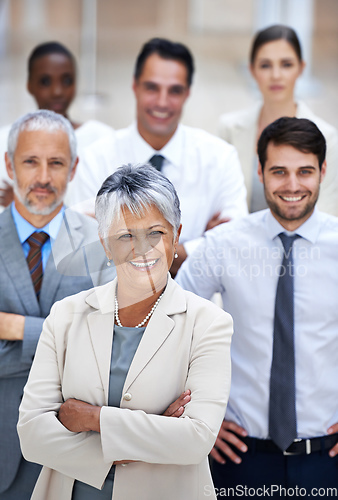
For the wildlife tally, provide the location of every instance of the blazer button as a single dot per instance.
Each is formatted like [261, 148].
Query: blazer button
[127, 396]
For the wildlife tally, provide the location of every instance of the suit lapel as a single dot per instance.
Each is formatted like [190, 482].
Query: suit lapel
[14, 260]
[66, 244]
[50, 283]
[244, 138]
[101, 333]
[101, 325]
[159, 328]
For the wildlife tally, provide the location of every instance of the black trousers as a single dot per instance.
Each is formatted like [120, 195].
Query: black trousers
[264, 474]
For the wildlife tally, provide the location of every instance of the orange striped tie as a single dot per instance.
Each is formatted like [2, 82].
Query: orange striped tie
[34, 259]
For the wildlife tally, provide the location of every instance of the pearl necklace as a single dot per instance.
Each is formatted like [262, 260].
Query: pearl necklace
[145, 319]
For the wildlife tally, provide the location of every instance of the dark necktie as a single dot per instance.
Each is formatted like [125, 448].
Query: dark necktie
[157, 162]
[282, 407]
[34, 259]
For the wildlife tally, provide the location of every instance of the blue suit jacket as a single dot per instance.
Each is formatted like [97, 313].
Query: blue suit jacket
[76, 263]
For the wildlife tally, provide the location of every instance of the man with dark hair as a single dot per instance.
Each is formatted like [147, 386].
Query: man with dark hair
[301, 134]
[166, 50]
[278, 275]
[204, 169]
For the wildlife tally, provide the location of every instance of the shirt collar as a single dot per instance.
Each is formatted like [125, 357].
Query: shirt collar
[25, 229]
[171, 151]
[309, 230]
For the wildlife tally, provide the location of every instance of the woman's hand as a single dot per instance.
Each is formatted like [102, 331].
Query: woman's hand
[78, 416]
[176, 408]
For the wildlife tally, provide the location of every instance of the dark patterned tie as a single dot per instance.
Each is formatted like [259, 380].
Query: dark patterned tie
[157, 162]
[34, 259]
[282, 407]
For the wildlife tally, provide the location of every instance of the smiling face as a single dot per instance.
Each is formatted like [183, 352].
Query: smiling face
[52, 82]
[291, 184]
[161, 91]
[42, 169]
[276, 68]
[142, 249]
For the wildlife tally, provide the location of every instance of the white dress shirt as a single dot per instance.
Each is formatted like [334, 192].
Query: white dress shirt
[204, 169]
[242, 260]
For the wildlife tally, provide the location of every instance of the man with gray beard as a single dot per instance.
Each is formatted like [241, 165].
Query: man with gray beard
[46, 254]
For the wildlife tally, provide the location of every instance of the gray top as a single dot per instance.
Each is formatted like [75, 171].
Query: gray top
[125, 343]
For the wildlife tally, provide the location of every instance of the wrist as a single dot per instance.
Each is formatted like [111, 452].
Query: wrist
[94, 421]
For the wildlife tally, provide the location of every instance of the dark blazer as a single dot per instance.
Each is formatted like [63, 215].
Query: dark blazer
[76, 263]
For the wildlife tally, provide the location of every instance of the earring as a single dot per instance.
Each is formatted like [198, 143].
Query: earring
[108, 263]
[176, 255]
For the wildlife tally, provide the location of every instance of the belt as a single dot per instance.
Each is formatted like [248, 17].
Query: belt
[298, 447]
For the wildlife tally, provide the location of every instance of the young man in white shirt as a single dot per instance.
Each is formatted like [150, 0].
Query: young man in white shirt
[285, 335]
[204, 169]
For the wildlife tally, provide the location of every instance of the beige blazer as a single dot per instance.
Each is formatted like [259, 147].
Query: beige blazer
[240, 129]
[186, 345]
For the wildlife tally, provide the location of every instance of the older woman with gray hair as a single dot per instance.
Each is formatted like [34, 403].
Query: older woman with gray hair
[130, 381]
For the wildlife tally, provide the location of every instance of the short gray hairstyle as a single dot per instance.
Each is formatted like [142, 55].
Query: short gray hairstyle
[136, 187]
[42, 119]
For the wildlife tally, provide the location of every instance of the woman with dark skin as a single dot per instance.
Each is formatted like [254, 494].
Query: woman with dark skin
[52, 78]
[52, 84]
